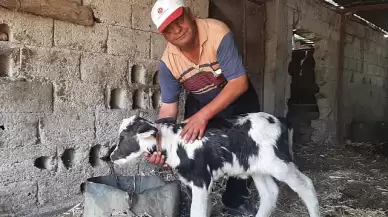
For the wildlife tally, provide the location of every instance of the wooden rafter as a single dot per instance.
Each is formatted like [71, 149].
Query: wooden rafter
[356, 9]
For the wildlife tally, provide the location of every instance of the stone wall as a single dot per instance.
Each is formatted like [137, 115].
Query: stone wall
[365, 74]
[64, 89]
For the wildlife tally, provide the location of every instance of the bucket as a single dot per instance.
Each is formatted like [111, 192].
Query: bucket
[129, 196]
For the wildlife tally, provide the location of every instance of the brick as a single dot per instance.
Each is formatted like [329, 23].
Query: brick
[70, 98]
[50, 64]
[107, 125]
[28, 29]
[17, 196]
[158, 45]
[132, 43]
[113, 12]
[77, 37]
[68, 128]
[141, 18]
[104, 69]
[25, 96]
[20, 130]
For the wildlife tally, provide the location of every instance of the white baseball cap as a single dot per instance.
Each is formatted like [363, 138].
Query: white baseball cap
[166, 11]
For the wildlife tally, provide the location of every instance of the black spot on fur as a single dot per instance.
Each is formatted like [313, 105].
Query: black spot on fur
[193, 170]
[271, 120]
[171, 122]
[223, 139]
[282, 150]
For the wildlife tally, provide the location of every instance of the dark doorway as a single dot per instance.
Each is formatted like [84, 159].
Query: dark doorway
[302, 105]
[246, 20]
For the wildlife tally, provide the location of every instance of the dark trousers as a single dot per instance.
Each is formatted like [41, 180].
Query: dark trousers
[236, 189]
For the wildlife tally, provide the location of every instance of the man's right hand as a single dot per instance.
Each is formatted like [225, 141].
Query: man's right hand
[156, 158]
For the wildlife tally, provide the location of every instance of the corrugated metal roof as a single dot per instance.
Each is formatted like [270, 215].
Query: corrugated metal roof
[377, 17]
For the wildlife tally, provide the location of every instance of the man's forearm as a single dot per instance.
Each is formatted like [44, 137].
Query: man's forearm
[230, 93]
[168, 110]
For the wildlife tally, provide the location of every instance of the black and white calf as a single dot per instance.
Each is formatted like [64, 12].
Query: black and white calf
[256, 145]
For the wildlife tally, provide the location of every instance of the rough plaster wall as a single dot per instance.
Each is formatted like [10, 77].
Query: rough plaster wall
[64, 92]
[321, 25]
[365, 74]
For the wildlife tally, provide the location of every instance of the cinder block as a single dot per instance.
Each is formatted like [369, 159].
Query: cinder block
[141, 18]
[49, 64]
[132, 43]
[63, 187]
[158, 45]
[108, 123]
[104, 69]
[18, 130]
[27, 28]
[357, 43]
[357, 54]
[77, 96]
[113, 12]
[10, 57]
[201, 8]
[17, 196]
[78, 37]
[372, 47]
[143, 72]
[68, 128]
[25, 96]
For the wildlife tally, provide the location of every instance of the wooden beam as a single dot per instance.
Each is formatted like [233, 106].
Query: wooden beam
[356, 9]
[340, 102]
[69, 11]
[260, 1]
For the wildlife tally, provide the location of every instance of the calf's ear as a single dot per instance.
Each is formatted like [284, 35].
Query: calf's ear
[146, 130]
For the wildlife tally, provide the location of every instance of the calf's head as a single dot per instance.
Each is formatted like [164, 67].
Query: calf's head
[137, 135]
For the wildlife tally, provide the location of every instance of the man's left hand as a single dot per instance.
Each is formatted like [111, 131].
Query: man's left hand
[194, 128]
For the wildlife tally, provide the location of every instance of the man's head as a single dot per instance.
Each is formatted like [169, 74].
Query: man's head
[174, 21]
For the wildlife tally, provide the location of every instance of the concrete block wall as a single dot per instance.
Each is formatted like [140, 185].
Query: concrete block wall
[365, 74]
[64, 89]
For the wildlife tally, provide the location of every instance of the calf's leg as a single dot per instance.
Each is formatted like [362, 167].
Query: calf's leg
[301, 184]
[268, 191]
[199, 203]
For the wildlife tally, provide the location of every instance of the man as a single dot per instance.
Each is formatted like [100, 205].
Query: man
[201, 56]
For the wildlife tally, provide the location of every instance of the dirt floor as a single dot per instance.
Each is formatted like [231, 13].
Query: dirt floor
[351, 181]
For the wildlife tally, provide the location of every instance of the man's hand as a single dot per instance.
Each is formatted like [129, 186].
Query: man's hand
[195, 127]
[166, 110]
[156, 158]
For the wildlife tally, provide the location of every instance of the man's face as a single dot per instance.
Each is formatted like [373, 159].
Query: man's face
[181, 31]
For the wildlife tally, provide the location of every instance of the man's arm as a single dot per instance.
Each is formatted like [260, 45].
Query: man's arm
[168, 110]
[232, 67]
[170, 89]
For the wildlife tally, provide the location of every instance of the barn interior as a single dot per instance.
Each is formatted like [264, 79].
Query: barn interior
[71, 70]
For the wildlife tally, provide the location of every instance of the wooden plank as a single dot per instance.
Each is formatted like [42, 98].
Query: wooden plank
[69, 11]
[356, 9]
